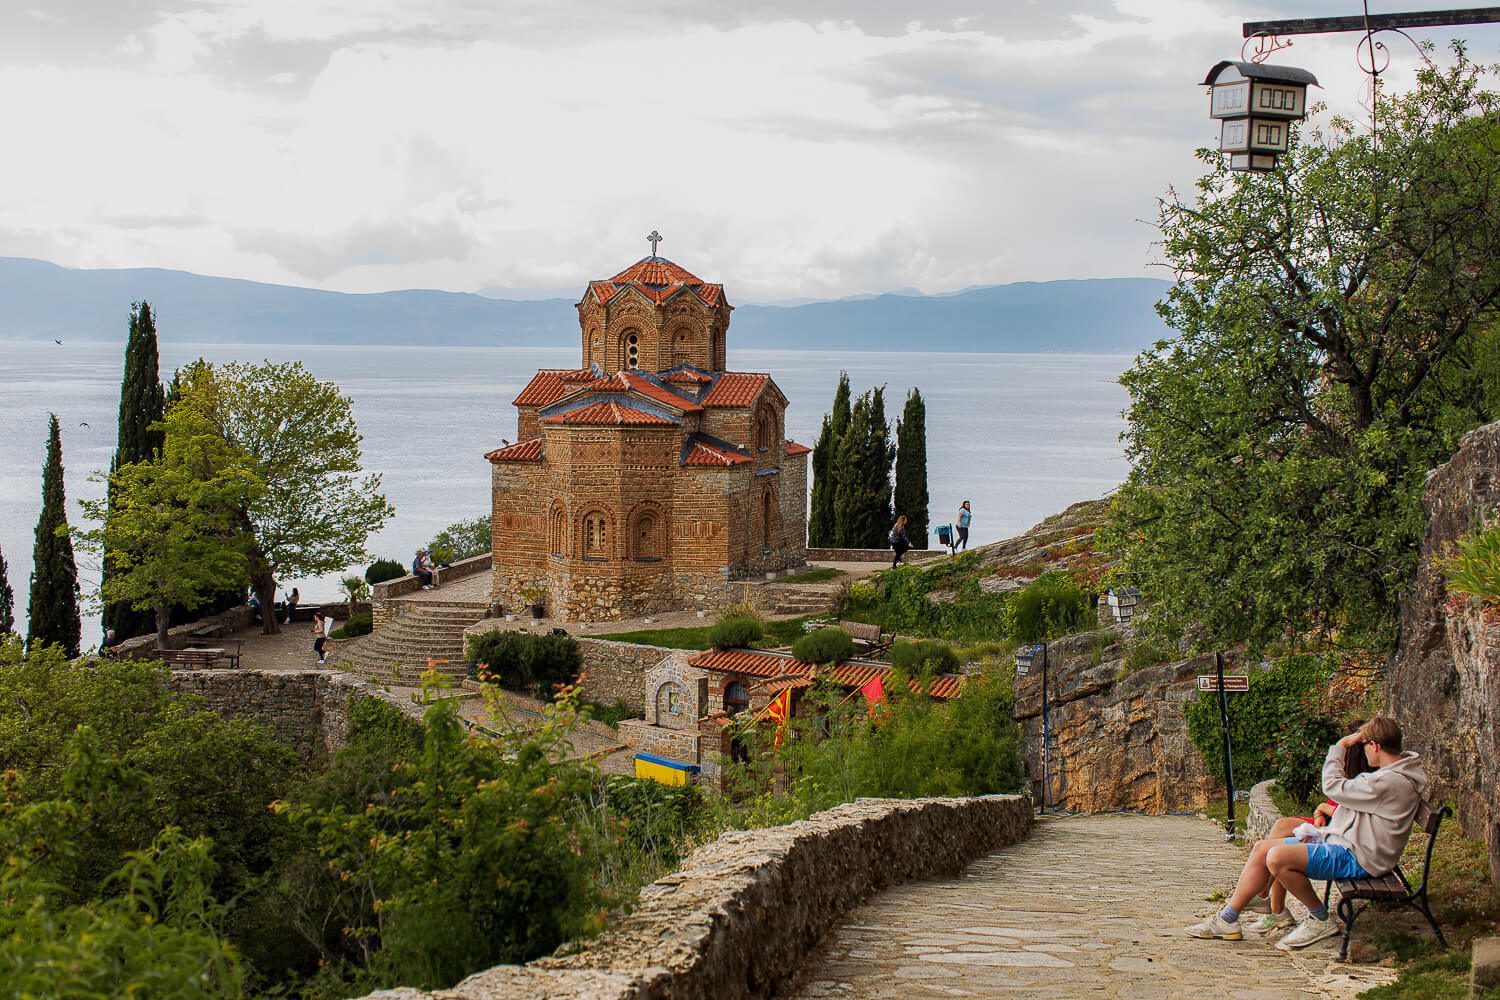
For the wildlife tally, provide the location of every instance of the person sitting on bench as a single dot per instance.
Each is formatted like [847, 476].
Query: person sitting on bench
[1364, 837]
[421, 568]
[109, 649]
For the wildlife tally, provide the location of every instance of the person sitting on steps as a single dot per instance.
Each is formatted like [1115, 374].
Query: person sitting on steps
[1364, 837]
[1276, 918]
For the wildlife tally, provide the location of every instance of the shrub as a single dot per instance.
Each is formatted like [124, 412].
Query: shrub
[382, 570]
[359, 624]
[1052, 605]
[1286, 691]
[519, 660]
[1298, 754]
[924, 657]
[826, 645]
[863, 595]
[1475, 569]
[736, 633]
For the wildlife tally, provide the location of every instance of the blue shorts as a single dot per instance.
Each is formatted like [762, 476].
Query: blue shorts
[1330, 862]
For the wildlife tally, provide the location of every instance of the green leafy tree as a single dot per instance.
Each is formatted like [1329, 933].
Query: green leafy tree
[911, 468]
[7, 600]
[316, 511]
[823, 527]
[52, 612]
[462, 540]
[862, 504]
[1335, 322]
[171, 526]
[139, 439]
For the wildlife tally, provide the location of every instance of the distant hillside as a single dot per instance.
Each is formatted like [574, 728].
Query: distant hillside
[44, 301]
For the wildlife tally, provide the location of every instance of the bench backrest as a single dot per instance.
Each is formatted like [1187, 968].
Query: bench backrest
[1428, 820]
[860, 630]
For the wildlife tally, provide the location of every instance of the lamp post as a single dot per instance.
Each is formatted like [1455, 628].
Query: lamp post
[1256, 104]
[1026, 657]
[1122, 603]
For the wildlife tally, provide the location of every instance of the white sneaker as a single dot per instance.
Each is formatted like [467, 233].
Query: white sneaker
[1217, 928]
[1258, 904]
[1272, 922]
[1310, 931]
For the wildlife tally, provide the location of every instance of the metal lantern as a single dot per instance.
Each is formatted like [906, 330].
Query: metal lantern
[1256, 105]
[1122, 603]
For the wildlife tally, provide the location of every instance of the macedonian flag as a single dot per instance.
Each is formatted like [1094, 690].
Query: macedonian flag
[780, 709]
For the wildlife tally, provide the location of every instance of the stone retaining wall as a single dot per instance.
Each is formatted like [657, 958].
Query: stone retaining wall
[384, 591]
[1262, 814]
[616, 671]
[870, 555]
[307, 710]
[143, 647]
[744, 912]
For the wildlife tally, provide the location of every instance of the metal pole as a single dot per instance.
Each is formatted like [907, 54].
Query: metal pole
[1046, 735]
[1228, 763]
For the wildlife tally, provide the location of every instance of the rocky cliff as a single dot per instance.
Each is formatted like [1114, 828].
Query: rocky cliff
[1444, 681]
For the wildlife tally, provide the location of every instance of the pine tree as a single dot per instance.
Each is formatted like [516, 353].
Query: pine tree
[53, 609]
[820, 531]
[7, 600]
[142, 406]
[862, 499]
[911, 469]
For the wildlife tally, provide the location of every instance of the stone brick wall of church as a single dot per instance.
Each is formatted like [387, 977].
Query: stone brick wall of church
[743, 914]
[616, 671]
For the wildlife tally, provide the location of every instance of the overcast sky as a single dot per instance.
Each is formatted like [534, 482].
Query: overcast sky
[810, 148]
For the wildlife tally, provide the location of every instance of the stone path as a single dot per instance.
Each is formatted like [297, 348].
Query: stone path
[1087, 906]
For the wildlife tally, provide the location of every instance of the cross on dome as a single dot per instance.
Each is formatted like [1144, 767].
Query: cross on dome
[653, 239]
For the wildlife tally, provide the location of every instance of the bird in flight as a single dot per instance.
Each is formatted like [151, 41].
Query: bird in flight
[57, 342]
[82, 423]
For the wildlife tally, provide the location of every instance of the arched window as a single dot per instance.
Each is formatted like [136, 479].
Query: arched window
[557, 530]
[596, 536]
[736, 698]
[669, 706]
[646, 535]
[632, 350]
[767, 519]
[765, 429]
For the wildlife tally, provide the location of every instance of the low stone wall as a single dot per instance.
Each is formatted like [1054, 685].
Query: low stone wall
[616, 671]
[673, 744]
[744, 912]
[870, 555]
[307, 710]
[388, 589]
[1262, 814]
[143, 647]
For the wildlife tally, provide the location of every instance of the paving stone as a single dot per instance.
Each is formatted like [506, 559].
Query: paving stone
[1087, 906]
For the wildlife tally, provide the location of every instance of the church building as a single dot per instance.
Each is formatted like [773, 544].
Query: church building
[650, 477]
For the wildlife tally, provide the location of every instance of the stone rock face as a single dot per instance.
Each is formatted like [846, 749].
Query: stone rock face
[1444, 680]
[1120, 740]
[740, 916]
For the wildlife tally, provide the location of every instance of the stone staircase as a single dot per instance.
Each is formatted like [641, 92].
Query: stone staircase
[420, 630]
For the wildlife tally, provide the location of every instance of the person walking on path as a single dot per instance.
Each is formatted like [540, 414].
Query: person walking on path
[899, 541]
[1364, 837]
[965, 515]
[291, 604]
[320, 636]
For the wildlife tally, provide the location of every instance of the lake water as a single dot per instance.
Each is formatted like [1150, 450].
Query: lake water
[1021, 436]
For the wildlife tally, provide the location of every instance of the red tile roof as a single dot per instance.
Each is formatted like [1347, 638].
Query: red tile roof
[701, 452]
[609, 413]
[646, 387]
[656, 271]
[736, 389]
[551, 384]
[521, 451]
[688, 377]
[793, 448]
[853, 674]
[659, 280]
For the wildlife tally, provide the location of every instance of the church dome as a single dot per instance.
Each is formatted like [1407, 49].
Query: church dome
[655, 272]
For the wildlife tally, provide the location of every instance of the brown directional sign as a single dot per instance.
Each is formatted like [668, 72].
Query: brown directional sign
[1232, 683]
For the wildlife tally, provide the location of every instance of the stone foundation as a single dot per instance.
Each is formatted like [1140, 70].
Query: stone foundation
[743, 913]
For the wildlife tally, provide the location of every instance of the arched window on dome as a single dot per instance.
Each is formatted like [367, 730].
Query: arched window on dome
[630, 353]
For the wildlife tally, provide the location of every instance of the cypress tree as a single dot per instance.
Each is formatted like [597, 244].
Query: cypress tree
[820, 531]
[862, 500]
[836, 531]
[911, 468]
[840, 414]
[53, 609]
[7, 600]
[142, 405]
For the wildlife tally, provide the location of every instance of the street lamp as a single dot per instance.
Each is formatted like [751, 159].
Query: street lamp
[1026, 658]
[1122, 603]
[1256, 105]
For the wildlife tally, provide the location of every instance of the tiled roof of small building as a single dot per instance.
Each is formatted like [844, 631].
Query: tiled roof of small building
[624, 381]
[609, 412]
[521, 451]
[793, 448]
[853, 674]
[703, 450]
[659, 280]
[735, 389]
[687, 376]
[551, 384]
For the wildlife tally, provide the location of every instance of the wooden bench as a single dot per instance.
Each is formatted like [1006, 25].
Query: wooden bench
[197, 657]
[229, 648]
[875, 640]
[1392, 887]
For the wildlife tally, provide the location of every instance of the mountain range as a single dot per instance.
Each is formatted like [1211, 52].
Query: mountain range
[41, 301]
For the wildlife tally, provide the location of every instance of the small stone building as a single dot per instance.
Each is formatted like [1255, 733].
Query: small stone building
[650, 477]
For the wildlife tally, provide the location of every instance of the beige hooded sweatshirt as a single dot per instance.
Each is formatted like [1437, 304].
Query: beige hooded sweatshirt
[1375, 809]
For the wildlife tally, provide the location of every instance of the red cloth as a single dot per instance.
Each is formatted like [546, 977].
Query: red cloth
[780, 709]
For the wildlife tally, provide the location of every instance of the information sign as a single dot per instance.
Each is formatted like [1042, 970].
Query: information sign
[1233, 684]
